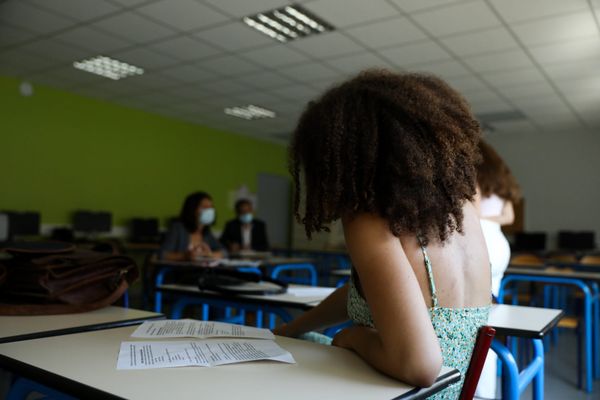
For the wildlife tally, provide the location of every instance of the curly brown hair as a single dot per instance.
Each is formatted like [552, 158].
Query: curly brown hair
[402, 146]
[494, 176]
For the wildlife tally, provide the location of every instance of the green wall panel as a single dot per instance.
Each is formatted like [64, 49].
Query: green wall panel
[60, 152]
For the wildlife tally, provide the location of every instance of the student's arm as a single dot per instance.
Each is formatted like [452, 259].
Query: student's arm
[329, 312]
[403, 343]
[506, 217]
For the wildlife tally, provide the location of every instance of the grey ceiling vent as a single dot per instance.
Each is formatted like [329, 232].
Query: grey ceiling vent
[288, 23]
[487, 120]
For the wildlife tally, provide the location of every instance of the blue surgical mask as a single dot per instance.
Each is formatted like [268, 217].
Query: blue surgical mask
[246, 218]
[207, 216]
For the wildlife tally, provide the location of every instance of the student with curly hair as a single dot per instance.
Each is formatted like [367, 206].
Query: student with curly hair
[393, 156]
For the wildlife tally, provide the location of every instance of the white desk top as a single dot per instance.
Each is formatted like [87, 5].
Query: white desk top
[522, 321]
[14, 328]
[284, 299]
[321, 372]
[341, 272]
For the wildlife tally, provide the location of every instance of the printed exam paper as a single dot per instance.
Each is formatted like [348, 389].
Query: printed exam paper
[198, 329]
[201, 353]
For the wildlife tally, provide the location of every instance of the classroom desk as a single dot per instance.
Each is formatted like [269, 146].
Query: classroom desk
[260, 266]
[90, 372]
[17, 328]
[522, 322]
[586, 282]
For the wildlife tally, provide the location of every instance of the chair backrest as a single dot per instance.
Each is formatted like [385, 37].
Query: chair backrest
[482, 345]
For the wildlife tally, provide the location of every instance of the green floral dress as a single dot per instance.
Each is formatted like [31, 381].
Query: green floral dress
[456, 328]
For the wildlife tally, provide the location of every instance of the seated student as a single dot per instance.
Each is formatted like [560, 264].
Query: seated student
[393, 156]
[245, 232]
[190, 237]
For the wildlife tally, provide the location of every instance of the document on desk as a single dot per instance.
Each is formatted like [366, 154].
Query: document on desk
[198, 329]
[310, 291]
[201, 353]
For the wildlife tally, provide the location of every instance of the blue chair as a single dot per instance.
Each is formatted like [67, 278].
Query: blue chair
[22, 388]
[310, 269]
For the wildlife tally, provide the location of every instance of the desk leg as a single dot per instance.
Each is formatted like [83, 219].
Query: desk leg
[596, 328]
[513, 382]
[160, 277]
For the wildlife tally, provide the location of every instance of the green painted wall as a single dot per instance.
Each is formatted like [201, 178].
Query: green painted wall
[60, 152]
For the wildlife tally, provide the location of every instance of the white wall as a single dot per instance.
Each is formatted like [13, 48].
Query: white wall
[560, 178]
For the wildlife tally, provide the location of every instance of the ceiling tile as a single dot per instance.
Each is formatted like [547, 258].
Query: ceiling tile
[555, 29]
[547, 103]
[530, 90]
[444, 69]
[326, 45]
[184, 48]
[418, 5]
[309, 72]
[56, 50]
[20, 63]
[581, 87]
[154, 81]
[234, 36]
[182, 14]
[350, 12]
[386, 33]
[189, 73]
[130, 3]
[228, 65]
[417, 53]
[239, 9]
[194, 92]
[519, 10]
[262, 99]
[456, 18]
[96, 41]
[572, 70]
[486, 41]
[570, 51]
[514, 77]
[521, 126]
[467, 84]
[358, 62]
[506, 60]
[69, 75]
[489, 107]
[275, 56]
[264, 80]
[131, 26]
[298, 93]
[226, 86]
[146, 59]
[77, 9]
[12, 35]
[486, 96]
[21, 14]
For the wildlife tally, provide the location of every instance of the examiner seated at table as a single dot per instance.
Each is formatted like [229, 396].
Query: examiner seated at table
[245, 232]
[190, 236]
[393, 155]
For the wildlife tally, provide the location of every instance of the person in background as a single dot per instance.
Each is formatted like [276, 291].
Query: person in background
[497, 191]
[190, 237]
[393, 155]
[245, 232]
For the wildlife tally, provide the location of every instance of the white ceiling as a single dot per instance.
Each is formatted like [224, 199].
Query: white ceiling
[537, 58]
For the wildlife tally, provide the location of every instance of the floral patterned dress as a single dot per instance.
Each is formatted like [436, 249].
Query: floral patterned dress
[456, 328]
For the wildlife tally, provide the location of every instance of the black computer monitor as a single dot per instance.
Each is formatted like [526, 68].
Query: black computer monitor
[25, 223]
[92, 221]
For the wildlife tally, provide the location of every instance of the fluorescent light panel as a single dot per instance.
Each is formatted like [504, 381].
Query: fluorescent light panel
[108, 67]
[288, 23]
[250, 112]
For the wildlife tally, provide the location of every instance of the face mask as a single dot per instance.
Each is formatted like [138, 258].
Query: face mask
[207, 216]
[246, 218]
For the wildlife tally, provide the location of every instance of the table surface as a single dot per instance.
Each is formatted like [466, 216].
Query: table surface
[283, 300]
[90, 372]
[521, 321]
[15, 328]
[238, 262]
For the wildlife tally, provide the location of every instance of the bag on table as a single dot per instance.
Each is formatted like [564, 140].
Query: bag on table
[57, 278]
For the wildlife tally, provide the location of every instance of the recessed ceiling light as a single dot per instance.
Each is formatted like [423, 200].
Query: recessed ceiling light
[250, 112]
[108, 67]
[287, 23]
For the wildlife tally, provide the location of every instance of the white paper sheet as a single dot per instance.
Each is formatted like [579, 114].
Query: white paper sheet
[310, 291]
[240, 263]
[197, 329]
[201, 353]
